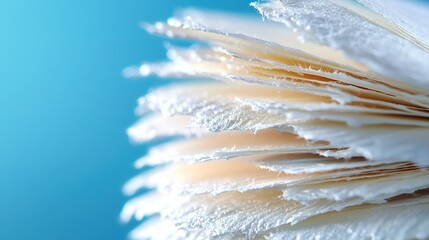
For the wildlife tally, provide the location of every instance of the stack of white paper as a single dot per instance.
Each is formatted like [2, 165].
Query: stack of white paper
[312, 123]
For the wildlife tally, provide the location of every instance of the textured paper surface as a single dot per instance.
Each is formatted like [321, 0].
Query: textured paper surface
[310, 123]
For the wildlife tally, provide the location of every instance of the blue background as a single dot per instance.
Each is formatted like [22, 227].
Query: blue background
[64, 109]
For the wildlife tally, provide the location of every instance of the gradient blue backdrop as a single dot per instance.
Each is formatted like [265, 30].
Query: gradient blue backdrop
[64, 108]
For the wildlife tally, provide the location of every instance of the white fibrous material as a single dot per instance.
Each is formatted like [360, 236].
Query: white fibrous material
[310, 123]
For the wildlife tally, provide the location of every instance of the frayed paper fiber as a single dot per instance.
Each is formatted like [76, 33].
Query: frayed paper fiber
[310, 122]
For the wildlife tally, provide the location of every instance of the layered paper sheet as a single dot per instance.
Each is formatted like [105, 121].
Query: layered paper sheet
[311, 122]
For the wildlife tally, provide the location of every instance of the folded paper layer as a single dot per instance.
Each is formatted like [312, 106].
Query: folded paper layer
[312, 123]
